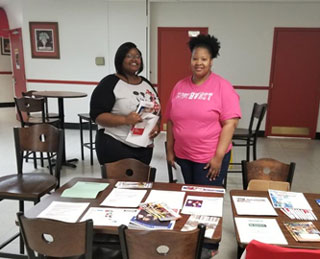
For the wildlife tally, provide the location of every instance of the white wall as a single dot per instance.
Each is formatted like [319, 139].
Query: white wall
[245, 30]
[87, 29]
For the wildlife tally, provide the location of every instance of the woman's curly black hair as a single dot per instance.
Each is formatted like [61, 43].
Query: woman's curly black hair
[121, 54]
[211, 43]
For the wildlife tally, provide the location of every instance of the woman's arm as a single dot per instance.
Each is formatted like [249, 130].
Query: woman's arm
[228, 127]
[108, 119]
[170, 144]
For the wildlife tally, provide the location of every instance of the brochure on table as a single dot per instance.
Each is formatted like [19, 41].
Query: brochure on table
[109, 216]
[198, 205]
[246, 205]
[303, 231]
[124, 198]
[188, 188]
[210, 222]
[86, 190]
[64, 211]
[261, 229]
[282, 199]
[133, 185]
[173, 199]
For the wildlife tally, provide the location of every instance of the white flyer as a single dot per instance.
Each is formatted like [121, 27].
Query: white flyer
[246, 205]
[293, 200]
[174, 199]
[124, 198]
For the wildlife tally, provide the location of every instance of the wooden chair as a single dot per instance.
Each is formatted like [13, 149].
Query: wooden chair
[54, 238]
[31, 111]
[248, 137]
[265, 185]
[266, 169]
[128, 169]
[46, 109]
[170, 244]
[32, 186]
[84, 118]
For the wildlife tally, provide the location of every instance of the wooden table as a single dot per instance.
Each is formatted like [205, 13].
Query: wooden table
[281, 218]
[56, 196]
[62, 95]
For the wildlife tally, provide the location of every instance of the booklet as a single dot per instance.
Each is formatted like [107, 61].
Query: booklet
[133, 185]
[299, 214]
[124, 198]
[161, 210]
[282, 199]
[194, 220]
[85, 190]
[246, 205]
[145, 220]
[187, 188]
[198, 205]
[139, 134]
[261, 229]
[303, 231]
[109, 216]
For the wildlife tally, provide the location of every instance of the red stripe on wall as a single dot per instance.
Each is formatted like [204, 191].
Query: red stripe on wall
[241, 87]
[45, 81]
[5, 72]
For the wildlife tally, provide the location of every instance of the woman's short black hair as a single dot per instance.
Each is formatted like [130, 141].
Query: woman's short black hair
[121, 54]
[211, 43]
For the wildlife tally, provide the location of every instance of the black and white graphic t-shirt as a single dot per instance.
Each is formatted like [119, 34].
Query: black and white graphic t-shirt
[118, 97]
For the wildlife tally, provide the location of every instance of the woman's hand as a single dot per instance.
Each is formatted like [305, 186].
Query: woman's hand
[214, 168]
[171, 158]
[132, 118]
[154, 132]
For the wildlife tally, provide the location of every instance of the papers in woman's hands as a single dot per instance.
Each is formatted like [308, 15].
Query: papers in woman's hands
[64, 211]
[139, 134]
[246, 205]
[209, 206]
[124, 198]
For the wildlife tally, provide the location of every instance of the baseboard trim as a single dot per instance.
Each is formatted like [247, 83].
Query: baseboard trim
[6, 105]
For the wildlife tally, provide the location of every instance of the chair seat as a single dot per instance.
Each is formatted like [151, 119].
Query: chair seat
[241, 132]
[28, 186]
[38, 120]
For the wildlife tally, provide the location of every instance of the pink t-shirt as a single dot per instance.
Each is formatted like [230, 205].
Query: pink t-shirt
[196, 112]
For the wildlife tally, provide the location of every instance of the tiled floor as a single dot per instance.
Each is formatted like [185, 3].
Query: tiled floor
[304, 152]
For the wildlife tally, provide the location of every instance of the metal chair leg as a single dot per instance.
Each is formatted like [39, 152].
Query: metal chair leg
[81, 138]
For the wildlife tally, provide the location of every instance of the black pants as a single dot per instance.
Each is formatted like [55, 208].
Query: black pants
[109, 150]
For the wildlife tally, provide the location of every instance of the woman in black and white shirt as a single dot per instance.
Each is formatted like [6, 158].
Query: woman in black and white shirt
[113, 105]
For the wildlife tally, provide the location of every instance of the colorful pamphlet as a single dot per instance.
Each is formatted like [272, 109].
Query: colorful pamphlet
[303, 231]
[133, 185]
[282, 199]
[146, 220]
[161, 211]
[299, 214]
[318, 201]
[202, 205]
[210, 222]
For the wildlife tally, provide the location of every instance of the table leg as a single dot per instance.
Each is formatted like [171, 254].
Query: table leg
[61, 117]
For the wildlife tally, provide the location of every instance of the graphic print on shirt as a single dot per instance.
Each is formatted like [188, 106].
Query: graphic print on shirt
[148, 96]
[194, 96]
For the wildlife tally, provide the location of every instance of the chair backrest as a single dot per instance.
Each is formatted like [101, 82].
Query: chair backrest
[56, 238]
[266, 169]
[30, 93]
[138, 244]
[28, 105]
[256, 249]
[257, 116]
[128, 169]
[39, 138]
[264, 185]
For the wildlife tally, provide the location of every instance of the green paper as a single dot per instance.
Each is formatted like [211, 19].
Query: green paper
[86, 190]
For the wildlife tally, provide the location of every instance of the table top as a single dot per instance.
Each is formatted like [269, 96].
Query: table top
[60, 94]
[56, 196]
[281, 218]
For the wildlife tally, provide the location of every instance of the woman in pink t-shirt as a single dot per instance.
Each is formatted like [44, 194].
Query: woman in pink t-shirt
[202, 113]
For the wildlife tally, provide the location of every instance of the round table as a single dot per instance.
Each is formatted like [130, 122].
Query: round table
[60, 95]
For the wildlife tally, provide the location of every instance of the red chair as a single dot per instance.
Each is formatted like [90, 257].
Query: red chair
[256, 249]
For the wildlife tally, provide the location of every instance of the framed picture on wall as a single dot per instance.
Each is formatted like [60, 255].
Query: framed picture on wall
[44, 39]
[5, 46]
